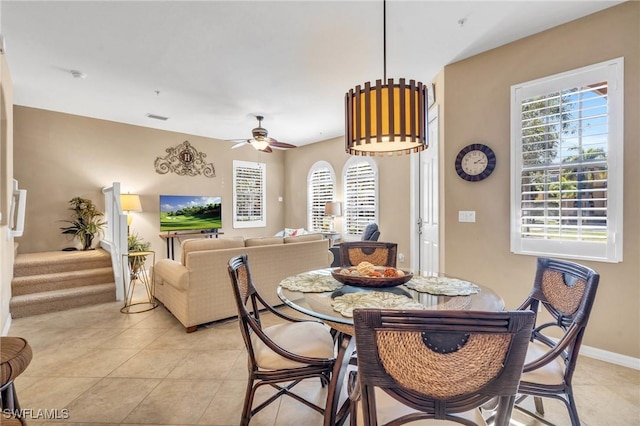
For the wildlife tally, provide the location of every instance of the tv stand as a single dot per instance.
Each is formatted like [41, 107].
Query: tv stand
[169, 236]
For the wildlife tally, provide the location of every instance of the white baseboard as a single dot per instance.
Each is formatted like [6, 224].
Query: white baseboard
[7, 325]
[610, 357]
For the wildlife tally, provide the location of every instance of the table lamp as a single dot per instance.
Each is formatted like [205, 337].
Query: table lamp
[332, 209]
[130, 203]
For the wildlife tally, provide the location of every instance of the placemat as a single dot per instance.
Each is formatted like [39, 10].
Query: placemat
[346, 303]
[442, 285]
[311, 283]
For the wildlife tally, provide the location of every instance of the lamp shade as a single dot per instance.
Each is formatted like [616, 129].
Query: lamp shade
[333, 208]
[259, 144]
[386, 118]
[130, 203]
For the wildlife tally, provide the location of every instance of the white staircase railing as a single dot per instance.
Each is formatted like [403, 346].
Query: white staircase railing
[115, 235]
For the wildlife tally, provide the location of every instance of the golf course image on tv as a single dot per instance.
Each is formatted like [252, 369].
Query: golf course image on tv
[187, 212]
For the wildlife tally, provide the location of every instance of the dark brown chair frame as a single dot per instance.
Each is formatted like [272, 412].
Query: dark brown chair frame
[578, 300]
[250, 304]
[377, 252]
[502, 384]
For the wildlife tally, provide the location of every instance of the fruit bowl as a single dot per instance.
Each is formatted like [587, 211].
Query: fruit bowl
[366, 281]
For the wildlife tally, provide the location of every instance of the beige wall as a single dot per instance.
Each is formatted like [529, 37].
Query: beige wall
[473, 97]
[6, 180]
[477, 92]
[395, 195]
[59, 156]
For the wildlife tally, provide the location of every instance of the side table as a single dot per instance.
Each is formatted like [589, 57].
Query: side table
[134, 271]
[332, 236]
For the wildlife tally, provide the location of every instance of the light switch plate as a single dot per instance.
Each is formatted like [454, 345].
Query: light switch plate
[466, 216]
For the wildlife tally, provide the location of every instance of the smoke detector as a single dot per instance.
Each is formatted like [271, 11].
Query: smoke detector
[78, 74]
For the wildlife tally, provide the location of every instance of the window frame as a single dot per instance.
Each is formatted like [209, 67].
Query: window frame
[311, 208]
[612, 72]
[351, 162]
[261, 218]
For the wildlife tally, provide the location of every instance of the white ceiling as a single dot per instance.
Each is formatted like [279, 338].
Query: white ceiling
[211, 66]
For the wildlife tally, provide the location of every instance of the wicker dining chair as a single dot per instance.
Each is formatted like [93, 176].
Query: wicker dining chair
[376, 252]
[280, 355]
[567, 291]
[438, 365]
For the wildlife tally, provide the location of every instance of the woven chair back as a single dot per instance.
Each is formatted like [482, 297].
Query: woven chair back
[376, 252]
[566, 289]
[440, 362]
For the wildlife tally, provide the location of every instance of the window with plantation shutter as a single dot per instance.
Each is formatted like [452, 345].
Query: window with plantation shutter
[360, 186]
[567, 161]
[249, 194]
[321, 183]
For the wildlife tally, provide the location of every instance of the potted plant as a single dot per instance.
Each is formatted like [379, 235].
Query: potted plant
[87, 222]
[136, 244]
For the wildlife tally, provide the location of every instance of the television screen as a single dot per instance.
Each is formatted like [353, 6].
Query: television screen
[186, 212]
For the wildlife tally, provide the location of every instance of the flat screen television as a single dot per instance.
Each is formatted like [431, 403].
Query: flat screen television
[189, 213]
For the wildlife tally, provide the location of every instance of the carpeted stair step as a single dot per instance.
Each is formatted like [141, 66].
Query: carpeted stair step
[60, 280]
[59, 261]
[61, 300]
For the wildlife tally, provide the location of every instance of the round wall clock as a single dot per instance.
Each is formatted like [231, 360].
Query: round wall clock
[475, 162]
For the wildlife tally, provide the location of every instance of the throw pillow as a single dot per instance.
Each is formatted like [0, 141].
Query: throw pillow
[292, 232]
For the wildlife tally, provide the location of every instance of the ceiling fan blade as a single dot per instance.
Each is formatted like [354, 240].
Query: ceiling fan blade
[239, 144]
[267, 150]
[276, 144]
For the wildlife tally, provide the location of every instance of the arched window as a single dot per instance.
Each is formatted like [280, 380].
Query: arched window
[360, 186]
[321, 184]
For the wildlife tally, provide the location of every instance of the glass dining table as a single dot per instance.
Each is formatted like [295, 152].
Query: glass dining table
[319, 295]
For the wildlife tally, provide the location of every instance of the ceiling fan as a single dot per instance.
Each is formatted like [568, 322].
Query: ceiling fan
[261, 141]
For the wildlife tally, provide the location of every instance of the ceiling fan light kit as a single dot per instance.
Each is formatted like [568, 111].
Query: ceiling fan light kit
[387, 117]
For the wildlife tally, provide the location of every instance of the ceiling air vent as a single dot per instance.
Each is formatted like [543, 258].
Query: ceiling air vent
[157, 117]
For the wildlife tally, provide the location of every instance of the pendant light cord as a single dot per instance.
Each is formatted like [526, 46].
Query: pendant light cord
[384, 40]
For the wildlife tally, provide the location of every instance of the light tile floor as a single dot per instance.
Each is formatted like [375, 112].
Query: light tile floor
[99, 366]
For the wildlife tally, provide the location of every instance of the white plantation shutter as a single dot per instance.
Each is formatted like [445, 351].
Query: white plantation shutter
[321, 189]
[567, 164]
[249, 194]
[360, 195]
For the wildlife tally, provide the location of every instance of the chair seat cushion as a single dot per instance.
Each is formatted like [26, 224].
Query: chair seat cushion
[388, 409]
[15, 356]
[306, 338]
[551, 373]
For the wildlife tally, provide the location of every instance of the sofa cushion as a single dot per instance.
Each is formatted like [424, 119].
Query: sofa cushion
[263, 241]
[198, 244]
[302, 238]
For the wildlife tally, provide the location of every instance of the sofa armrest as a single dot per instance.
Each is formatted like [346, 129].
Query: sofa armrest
[171, 272]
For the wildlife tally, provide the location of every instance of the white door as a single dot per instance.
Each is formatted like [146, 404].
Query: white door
[429, 200]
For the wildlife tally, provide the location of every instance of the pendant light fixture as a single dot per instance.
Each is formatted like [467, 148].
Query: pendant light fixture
[386, 117]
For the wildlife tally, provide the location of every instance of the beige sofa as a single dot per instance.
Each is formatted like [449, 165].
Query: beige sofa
[197, 289]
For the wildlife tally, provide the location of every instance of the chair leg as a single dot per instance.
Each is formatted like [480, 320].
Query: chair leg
[9, 399]
[504, 409]
[248, 401]
[573, 410]
[537, 401]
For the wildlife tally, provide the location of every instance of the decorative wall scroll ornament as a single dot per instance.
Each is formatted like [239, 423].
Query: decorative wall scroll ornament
[184, 160]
